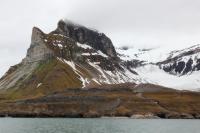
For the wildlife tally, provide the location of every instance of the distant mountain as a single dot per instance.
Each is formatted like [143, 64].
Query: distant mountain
[182, 62]
[177, 69]
[150, 55]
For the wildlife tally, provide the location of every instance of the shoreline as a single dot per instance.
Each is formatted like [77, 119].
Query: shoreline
[93, 117]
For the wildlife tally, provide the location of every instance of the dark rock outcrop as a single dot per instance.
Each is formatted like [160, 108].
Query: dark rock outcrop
[182, 62]
[84, 35]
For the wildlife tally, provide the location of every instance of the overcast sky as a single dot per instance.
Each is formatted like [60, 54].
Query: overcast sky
[138, 23]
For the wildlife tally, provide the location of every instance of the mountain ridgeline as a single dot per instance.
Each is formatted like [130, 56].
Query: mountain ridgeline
[182, 62]
[83, 35]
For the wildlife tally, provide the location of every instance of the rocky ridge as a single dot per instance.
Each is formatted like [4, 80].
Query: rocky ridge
[182, 62]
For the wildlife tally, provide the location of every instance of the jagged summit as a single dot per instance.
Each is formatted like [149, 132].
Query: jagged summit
[84, 35]
[66, 35]
[37, 34]
[62, 42]
[38, 50]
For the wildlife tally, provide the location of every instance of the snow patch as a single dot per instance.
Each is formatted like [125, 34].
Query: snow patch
[61, 35]
[85, 54]
[102, 54]
[60, 45]
[84, 46]
[39, 85]
[96, 81]
[71, 64]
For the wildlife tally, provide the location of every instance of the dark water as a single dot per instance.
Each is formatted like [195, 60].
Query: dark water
[108, 125]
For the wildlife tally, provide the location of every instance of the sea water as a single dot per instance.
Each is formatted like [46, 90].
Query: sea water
[97, 125]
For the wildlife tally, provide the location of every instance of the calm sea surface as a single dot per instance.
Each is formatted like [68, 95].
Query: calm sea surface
[105, 125]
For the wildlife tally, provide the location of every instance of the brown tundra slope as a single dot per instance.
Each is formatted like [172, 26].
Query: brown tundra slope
[98, 102]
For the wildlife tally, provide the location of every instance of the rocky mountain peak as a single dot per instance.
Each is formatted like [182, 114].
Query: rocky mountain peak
[83, 35]
[38, 49]
[72, 42]
[37, 36]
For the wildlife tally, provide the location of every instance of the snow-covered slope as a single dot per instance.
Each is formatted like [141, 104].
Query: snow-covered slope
[176, 69]
[182, 62]
[151, 55]
[186, 51]
[153, 74]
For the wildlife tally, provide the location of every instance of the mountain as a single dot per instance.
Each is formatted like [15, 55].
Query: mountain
[72, 56]
[75, 71]
[182, 62]
[175, 69]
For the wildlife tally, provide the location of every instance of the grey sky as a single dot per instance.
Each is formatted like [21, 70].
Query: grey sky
[140, 23]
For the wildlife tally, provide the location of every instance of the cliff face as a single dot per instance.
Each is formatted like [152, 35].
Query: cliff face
[38, 50]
